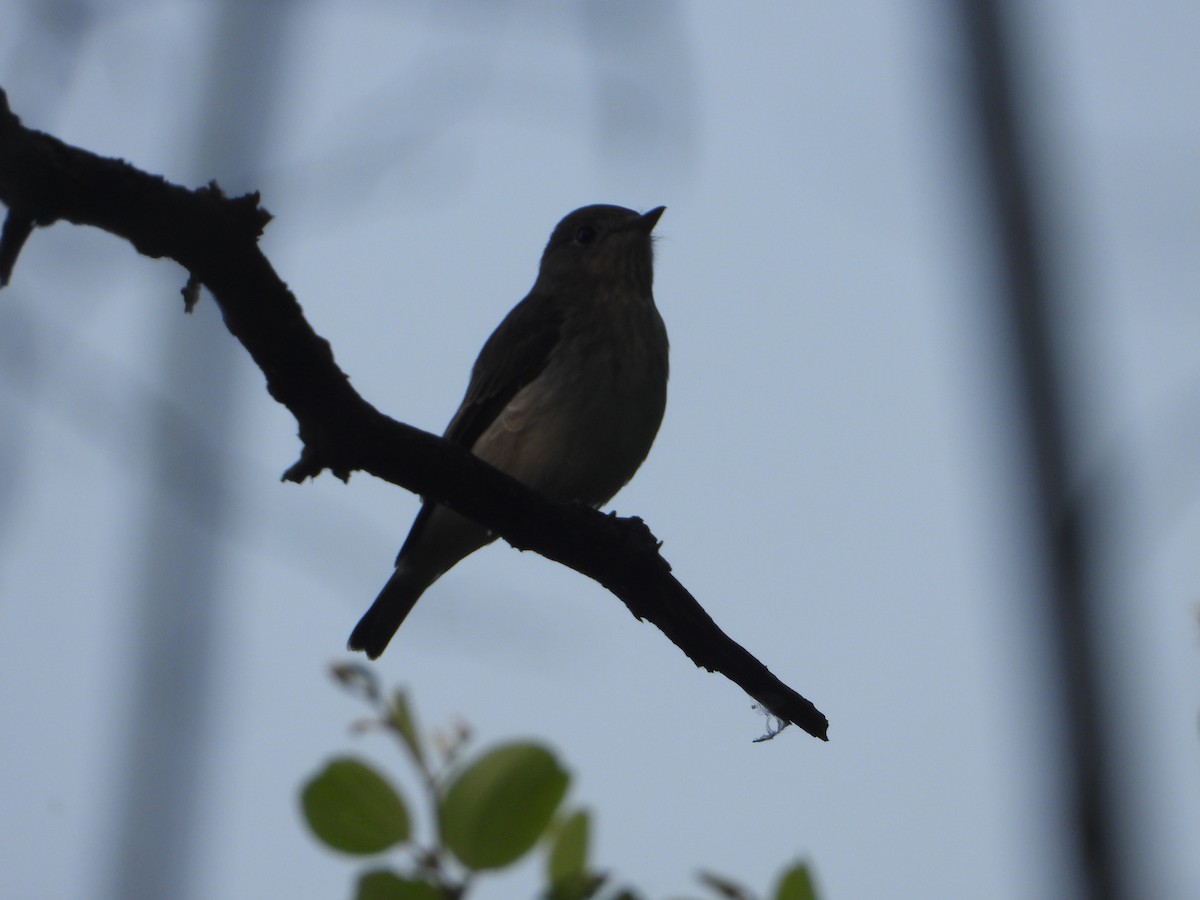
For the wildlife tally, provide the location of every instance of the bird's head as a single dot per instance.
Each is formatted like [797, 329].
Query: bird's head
[601, 245]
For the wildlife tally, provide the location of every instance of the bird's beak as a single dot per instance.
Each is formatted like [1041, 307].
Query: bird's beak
[646, 221]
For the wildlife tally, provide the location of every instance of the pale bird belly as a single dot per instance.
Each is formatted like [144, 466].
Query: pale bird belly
[581, 447]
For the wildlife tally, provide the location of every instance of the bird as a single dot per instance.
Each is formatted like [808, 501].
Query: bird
[566, 396]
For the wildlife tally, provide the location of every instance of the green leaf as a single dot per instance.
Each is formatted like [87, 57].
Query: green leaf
[384, 884]
[401, 718]
[351, 808]
[496, 810]
[796, 884]
[566, 863]
[568, 853]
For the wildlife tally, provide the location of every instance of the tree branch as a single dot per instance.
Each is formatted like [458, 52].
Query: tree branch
[215, 238]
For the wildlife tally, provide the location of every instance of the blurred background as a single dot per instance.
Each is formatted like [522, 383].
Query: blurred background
[840, 478]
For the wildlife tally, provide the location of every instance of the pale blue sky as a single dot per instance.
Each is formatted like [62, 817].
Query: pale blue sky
[835, 480]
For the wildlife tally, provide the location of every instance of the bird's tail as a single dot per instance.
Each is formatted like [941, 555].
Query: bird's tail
[401, 593]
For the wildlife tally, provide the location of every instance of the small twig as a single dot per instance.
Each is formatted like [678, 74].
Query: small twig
[191, 293]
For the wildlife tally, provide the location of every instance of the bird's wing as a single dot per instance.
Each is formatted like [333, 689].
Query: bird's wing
[513, 356]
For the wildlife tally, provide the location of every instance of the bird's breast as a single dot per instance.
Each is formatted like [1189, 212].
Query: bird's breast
[582, 428]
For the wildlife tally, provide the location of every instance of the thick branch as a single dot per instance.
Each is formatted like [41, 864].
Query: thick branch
[216, 239]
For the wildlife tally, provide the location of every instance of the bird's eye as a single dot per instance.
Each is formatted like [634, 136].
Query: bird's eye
[586, 235]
